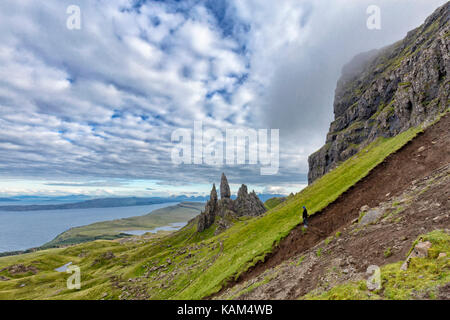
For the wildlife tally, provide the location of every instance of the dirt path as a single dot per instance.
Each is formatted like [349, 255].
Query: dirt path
[418, 159]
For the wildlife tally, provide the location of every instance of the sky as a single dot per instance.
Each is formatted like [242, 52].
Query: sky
[93, 110]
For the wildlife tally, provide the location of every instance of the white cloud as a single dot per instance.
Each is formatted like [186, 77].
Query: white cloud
[102, 102]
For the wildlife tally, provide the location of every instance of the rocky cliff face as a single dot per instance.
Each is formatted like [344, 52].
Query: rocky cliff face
[384, 92]
[246, 204]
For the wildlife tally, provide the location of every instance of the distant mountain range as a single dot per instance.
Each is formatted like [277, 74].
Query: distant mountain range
[106, 202]
[41, 199]
[8, 200]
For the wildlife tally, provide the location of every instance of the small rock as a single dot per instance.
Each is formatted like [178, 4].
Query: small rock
[108, 255]
[438, 218]
[442, 255]
[421, 249]
[422, 148]
[405, 265]
[364, 208]
[371, 216]
[345, 271]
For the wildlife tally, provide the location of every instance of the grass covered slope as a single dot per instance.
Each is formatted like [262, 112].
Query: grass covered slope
[246, 244]
[273, 202]
[186, 265]
[108, 230]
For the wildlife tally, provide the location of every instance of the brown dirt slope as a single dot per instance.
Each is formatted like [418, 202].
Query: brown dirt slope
[423, 207]
[419, 159]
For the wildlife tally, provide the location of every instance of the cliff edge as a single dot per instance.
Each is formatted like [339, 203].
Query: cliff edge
[384, 92]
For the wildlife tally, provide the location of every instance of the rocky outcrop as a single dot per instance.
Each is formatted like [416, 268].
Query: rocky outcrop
[384, 92]
[224, 187]
[206, 218]
[20, 269]
[246, 204]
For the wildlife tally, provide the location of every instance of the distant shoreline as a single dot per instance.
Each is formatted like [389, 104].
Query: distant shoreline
[113, 203]
[116, 235]
[94, 204]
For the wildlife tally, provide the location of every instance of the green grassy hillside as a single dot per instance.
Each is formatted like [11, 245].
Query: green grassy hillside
[273, 202]
[186, 264]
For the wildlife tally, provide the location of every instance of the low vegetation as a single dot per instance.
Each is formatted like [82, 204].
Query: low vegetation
[186, 264]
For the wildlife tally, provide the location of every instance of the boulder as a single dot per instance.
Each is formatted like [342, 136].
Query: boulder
[364, 208]
[419, 251]
[371, 216]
